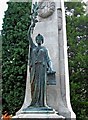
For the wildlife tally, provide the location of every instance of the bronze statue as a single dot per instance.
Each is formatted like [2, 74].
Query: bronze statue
[39, 66]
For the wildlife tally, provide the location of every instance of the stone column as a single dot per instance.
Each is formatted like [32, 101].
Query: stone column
[53, 27]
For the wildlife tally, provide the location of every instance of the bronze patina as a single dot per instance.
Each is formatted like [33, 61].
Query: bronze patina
[39, 67]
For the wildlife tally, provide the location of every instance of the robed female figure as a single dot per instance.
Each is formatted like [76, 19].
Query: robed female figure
[39, 64]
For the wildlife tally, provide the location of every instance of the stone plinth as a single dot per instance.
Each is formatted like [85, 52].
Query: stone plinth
[40, 116]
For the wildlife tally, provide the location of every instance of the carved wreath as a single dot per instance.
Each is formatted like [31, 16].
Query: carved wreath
[46, 8]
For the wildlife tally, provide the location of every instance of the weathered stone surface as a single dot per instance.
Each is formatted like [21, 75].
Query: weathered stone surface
[37, 116]
[46, 8]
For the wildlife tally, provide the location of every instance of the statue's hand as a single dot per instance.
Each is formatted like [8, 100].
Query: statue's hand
[50, 70]
[31, 28]
[32, 25]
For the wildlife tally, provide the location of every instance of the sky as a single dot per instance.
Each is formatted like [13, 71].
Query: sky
[3, 7]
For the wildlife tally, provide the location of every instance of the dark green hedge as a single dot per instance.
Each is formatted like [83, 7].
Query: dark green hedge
[15, 54]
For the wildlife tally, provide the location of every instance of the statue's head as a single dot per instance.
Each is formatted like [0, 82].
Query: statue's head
[39, 39]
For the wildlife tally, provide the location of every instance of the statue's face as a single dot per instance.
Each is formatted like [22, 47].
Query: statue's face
[39, 41]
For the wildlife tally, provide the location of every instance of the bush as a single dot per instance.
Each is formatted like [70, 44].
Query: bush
[15, 54]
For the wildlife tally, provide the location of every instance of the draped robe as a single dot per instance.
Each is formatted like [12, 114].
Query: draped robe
[39, 60]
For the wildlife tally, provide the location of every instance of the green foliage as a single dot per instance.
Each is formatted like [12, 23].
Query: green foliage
[15, 54]
[77, 27]
[0, 47]
[0, 74]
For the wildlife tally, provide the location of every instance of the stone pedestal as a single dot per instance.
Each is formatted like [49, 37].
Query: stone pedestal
[40, 116]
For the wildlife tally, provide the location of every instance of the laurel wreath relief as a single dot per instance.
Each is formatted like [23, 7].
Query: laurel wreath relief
[46, 8]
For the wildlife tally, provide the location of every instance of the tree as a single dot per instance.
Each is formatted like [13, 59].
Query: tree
[77, 27]
[15, 54]
[0, 74]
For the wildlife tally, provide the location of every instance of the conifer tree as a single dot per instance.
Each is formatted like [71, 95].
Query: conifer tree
[77, 27]
[15, 54]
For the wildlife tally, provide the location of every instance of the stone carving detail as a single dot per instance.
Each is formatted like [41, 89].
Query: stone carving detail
[46, 8]
[59, 16]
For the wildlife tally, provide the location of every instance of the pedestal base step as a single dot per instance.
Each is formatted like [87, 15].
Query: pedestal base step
[39, 117]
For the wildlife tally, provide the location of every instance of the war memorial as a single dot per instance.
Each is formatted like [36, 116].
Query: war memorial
[47, 94]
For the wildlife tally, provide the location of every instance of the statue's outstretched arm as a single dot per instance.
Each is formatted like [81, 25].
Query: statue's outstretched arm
[29, 36]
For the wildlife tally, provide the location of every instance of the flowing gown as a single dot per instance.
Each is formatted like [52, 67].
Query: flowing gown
[39, 60]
